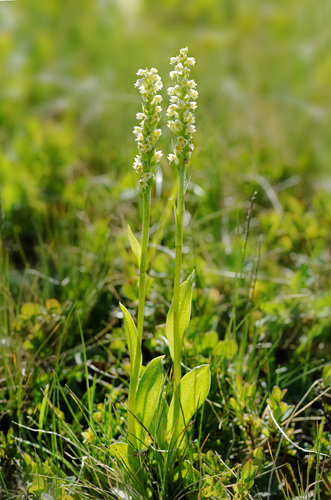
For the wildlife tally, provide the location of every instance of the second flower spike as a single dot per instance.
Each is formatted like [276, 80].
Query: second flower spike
[180, 114]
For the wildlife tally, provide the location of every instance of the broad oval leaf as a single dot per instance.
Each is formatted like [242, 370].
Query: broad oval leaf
[188, 397]
[147, 397]
[131, 335]
[185, 301]
[135, 245]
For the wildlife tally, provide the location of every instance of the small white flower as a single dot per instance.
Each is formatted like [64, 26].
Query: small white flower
[140, 116]
[137, 130]
[157, 133]
[156, 99]
[143, 148]
[178, 125]
[191, 129]
[172, 158]
[157, 156]
[182, 142]
[145, 178]
[178, 149]
[172, 110]
[137, 165]
[193, 93]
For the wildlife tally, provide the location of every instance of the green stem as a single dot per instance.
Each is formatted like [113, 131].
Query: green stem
[178, 268]
[132, 404]
[135, 369]
[143, 261]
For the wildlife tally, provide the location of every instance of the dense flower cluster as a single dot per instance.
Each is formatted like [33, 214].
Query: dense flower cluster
[180, 114]
[147, 134]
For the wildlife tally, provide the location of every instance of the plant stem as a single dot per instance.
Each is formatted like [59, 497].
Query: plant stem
[134, 375]
[178, 268]
[143, 260]
[132, 404]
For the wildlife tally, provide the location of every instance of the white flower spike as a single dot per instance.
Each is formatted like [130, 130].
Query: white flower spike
[182, 104]
[147, 134]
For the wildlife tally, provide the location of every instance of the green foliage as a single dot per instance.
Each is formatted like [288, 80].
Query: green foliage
[46, 485]
[185, 300]
[37, 326]
[67, 192]
[187, 399]
[131, 335]
[135, 245]
[147, 397]
[246, 480]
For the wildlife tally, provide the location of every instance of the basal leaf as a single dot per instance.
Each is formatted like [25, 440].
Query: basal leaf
[147, 397]
[131, 335]
[158, 425]
[187, 399]
[123, 453]
[135, 245]
[185, 301]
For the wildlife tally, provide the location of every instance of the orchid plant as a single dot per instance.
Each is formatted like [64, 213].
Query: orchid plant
[145, 391]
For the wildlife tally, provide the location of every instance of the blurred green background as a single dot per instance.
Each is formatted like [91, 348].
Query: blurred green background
[67, 111]
[68, 103]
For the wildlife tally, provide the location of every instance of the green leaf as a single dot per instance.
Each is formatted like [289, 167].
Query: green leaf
[185, 301]
[225, 349]
[135, 245]
[248, 473]
[206, 342]
[158, 425]
[147, 397]
[187, 399]
[327, 375]
[123, 452]
[131, 335]
[185, 471]
[46, 496]
[38, 484]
